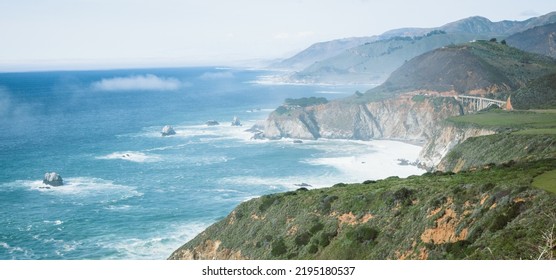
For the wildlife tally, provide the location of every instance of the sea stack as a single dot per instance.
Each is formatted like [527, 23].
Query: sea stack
[236, 122]
[53, 179]
[168, 130]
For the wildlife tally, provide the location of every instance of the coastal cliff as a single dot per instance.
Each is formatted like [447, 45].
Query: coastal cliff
[408, 117]
[444, 140]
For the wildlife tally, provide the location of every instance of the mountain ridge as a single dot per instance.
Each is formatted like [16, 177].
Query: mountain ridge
[368, 68]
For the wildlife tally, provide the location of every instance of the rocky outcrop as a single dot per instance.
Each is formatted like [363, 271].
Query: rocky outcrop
[407, 117]
[236, 121]
[53, 179]
[168, 130]
[444, 139]
[208, 250]
[212, 123]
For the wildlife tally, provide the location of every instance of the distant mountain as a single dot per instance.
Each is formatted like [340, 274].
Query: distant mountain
[540, 39]
[479, 68]
[373, 60]
[321, 51]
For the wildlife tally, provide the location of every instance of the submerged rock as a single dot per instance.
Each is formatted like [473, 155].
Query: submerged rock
[168, 130]
[258, 136]
[212, 123]
[53, 179]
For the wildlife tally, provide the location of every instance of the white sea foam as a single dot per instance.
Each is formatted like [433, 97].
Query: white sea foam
[174, 147]
[11, 249]
[131, 156]
[361, 160]
[348, 161]
[118, 207]
[281, 183]
[157, 245]
[56, 222]
[93, 189]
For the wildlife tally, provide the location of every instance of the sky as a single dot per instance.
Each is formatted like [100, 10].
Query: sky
[83, 34]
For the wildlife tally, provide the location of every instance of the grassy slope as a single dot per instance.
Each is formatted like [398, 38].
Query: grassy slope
[491, 213]
[521, 122]
[524, 135]
[546, 181]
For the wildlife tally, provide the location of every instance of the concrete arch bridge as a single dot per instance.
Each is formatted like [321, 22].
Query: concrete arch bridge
[479, 103]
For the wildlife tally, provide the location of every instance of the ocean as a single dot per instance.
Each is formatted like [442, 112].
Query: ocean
[130, 193]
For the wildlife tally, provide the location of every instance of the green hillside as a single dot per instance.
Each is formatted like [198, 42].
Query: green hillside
[537, 94]
[523, 136]
[491, 69]
[491, 213]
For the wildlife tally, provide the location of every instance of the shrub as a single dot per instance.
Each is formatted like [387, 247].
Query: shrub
[362, 234]
[326, 203]
[418, 98]
[303, 239]
[281, 110]
[278, 248]
[505, 217]
[304, 101]
[367, 182]
[324, 238]
[316, 228]
[267, 201]
[312, 249]
[402, 196]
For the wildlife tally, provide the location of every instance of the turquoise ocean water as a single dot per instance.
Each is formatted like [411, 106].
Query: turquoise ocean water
[130, 193]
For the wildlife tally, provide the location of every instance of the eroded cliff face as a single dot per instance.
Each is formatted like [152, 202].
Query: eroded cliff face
[443, 140]
[407, 117]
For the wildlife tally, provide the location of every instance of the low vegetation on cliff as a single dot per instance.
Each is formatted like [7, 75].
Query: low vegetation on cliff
[494, 212]
[522, 136]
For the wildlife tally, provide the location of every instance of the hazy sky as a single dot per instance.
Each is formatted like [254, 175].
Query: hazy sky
[105, 33]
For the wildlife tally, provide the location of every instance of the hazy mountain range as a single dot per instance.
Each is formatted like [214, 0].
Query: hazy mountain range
[372, 59]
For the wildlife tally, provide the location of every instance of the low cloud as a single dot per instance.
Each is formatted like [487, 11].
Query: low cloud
[139, 82]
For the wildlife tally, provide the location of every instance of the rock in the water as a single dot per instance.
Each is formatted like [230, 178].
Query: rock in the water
[168, 130]
[236, 122]
[212, 123]
[53, 179]
[258, 136]
[297, 141]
